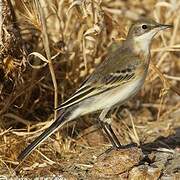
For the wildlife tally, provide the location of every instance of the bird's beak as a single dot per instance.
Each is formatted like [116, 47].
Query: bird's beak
[163, 26]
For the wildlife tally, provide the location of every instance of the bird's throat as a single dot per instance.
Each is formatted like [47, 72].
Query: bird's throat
[141, 46]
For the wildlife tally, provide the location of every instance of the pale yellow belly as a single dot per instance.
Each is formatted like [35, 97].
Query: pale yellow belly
[118, 95]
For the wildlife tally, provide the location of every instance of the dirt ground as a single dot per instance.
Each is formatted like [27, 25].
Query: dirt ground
[90, 156]
[47, 49]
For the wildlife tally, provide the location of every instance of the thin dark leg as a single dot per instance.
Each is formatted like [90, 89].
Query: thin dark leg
[107, 133]
[114, 137]
[110, 134]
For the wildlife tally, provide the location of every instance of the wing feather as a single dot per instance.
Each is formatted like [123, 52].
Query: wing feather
[107, 83]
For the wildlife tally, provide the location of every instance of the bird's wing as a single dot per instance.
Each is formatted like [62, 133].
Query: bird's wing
[108, 82]
[106, 77]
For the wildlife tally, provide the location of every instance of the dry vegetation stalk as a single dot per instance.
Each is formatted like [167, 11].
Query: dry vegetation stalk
[48, 54]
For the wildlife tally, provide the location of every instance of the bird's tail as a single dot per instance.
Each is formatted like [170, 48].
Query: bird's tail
[63, 118]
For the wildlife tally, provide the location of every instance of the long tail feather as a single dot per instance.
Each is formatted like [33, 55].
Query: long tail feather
[57, 124]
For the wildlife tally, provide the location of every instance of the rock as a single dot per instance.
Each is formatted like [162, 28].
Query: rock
[144, 172]
[116, 162]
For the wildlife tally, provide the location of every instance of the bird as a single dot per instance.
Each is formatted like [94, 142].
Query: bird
[117, 79]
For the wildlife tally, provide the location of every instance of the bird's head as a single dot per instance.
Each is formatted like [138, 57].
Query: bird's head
[142, 32]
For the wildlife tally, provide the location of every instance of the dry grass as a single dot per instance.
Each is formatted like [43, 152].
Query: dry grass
[64, 41]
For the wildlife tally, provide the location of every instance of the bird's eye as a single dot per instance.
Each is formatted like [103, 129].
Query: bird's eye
[144, 26]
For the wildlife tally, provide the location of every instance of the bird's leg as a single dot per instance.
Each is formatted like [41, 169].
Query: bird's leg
[106, 126]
